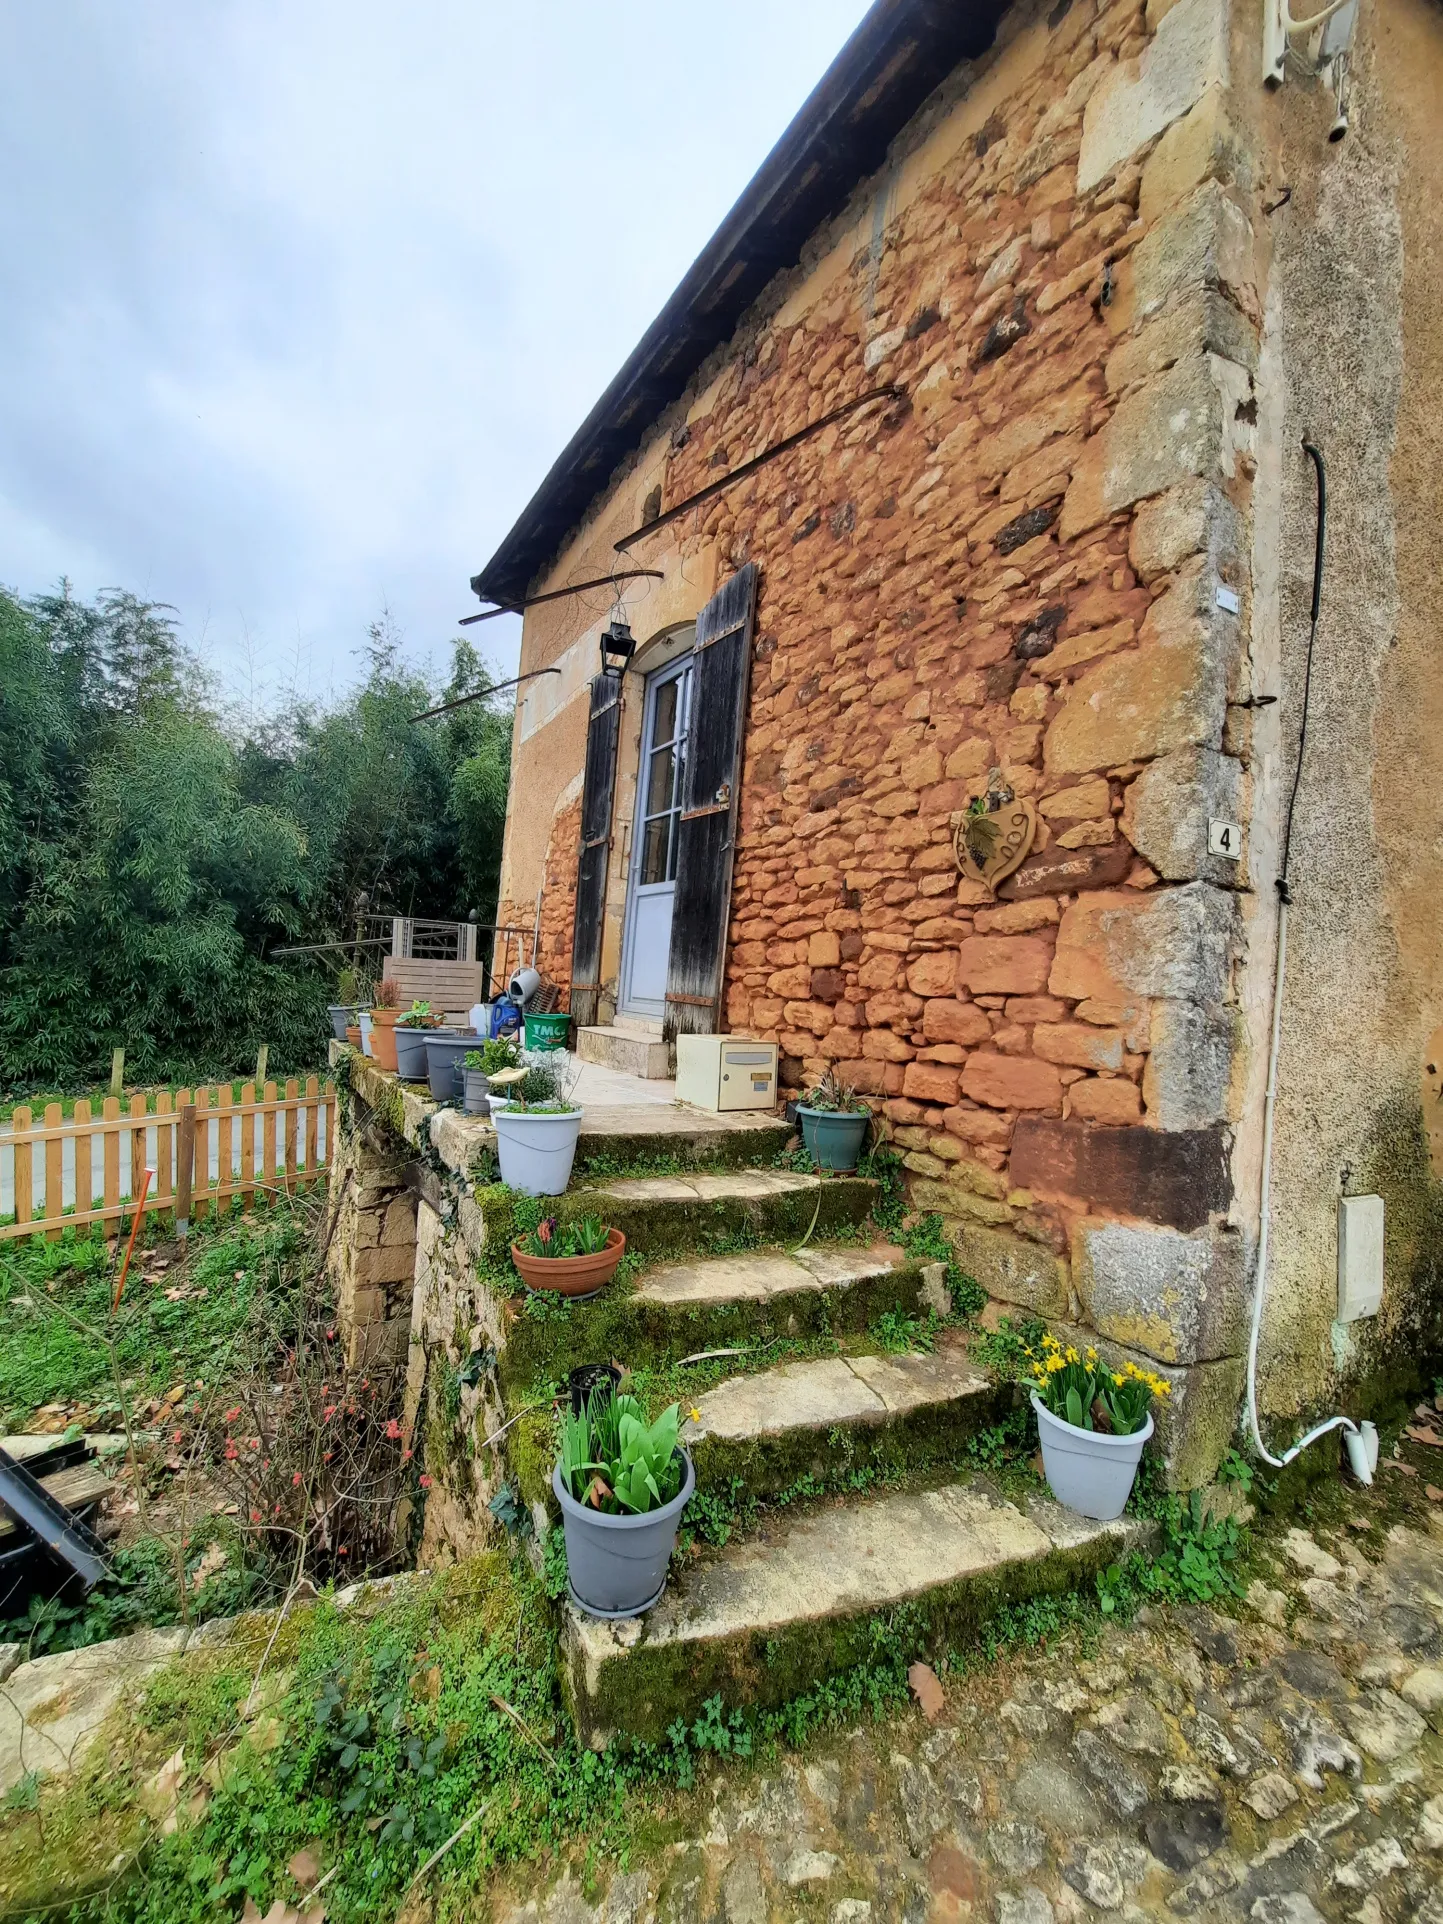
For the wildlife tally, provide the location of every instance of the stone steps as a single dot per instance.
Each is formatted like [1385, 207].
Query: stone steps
[713, 1302]
[629, 1052]
[777, 1613]
[664, 1214]
[899, 1415]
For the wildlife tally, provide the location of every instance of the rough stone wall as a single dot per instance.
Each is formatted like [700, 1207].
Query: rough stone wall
[1059, 556]
[558, 900]
[372, 1257]
[404, 1256]
[453, 1319]
[1017, 566]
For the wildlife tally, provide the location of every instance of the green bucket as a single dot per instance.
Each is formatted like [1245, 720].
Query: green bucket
[547, 1031]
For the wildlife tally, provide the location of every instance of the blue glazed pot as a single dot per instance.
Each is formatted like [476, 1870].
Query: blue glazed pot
[832, 1140]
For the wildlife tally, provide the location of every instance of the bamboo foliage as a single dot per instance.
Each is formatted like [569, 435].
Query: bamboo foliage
[295, 1146]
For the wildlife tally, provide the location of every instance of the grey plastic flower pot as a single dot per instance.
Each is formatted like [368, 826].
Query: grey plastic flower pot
[475, 1090]
[832, 1139]
[444, 1056]
[536, 1151]
[343, 1016]
[1089, 1472]
[617, 1564]
[411, 1051]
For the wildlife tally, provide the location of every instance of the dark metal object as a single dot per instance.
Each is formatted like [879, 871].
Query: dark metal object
[50, 1522]
[464, 701]
[1320, 542]
[902, 51]
[889, 393]
[618, 645]
[602, 734]
[560, 594]
[706, 832]
[588, 1378]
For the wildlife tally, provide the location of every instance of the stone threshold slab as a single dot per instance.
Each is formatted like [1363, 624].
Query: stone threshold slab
[772, 1615]
[616, 1129]
[756, 1277]
[831, 1390]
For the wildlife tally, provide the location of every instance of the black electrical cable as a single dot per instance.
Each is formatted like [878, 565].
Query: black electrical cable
[1315, 455]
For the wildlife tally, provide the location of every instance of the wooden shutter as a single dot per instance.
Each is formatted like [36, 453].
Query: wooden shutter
[706, 834]
[601, 738]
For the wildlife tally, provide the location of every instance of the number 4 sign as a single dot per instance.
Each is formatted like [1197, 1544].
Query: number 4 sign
[1225, 838]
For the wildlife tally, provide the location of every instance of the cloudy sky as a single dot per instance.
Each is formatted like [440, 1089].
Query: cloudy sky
[303, 296]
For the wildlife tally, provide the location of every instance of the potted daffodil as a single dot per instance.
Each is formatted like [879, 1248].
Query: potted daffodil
[1094, 1421]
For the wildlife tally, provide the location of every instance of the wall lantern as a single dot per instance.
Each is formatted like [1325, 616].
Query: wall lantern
[617, 649]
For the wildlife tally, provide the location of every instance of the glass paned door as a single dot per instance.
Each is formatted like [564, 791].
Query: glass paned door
[651, 884]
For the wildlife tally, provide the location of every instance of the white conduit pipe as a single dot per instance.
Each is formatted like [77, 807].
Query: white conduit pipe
[1362, 1443]
[1260, 1284]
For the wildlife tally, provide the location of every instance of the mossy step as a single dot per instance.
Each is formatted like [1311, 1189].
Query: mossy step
[774, 1615]
[663, 1215]
[711, 1302]
[897, 1415]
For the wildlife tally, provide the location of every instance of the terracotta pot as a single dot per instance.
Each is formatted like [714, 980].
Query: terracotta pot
[571, 1275]
[353, 1036]
[383, 1037]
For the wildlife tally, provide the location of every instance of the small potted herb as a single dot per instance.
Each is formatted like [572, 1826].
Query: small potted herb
[537, 1130]
[385, 1014]
[834, 1120]
[411, 1032]
[569, 1259]
[479, 1065]
[622, 1484]
[1094, 1422]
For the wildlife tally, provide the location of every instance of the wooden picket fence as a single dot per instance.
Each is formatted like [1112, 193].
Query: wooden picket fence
[206, 1127]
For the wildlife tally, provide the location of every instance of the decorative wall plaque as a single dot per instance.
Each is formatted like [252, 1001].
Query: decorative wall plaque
[992, 835]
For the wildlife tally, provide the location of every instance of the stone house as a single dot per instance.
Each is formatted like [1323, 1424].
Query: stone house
[965, 472]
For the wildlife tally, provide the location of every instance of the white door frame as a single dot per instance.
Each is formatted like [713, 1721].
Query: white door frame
[679, 669]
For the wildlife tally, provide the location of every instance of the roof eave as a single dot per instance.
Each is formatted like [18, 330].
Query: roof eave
[899, 54]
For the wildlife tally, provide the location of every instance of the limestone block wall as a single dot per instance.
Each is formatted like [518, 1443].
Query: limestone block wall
[452, 1400]
[372, 1256]
[406, 1261]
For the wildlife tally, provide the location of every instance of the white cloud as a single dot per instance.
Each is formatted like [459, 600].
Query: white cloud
[305, 295]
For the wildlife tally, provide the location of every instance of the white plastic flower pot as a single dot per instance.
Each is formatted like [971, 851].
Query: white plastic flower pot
[1089, 1472]
[616, 1565]
[536, 1151]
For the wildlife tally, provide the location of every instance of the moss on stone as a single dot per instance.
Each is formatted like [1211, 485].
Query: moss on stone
[1390, 1352]
[640, 1693]
[548, 1338]
[887, 1449]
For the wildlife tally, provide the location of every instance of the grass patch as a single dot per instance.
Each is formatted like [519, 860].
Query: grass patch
[55, 1306]
[382, 1732]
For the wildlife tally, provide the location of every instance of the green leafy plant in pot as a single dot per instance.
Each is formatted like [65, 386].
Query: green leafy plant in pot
[1094, 1422]
[411, 1032]
[834, 1120]
[569, 1259]
[622, 1483]
[493, 1057]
